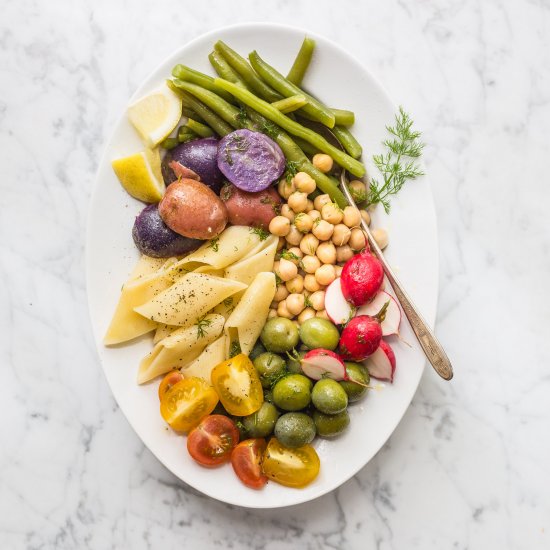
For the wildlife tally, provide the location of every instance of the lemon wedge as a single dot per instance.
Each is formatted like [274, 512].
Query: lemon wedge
[141, 176]
[156, 115]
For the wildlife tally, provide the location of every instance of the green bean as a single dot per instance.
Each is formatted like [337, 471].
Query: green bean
[245, 71]
[224, 70]
[290, 104]
[302, 61]
[269, 112]
[212, 119]
[349, 143]
[275, 79]
[189, 113]
[169, 143]
[190, 75]
[185, 134]
[200, 129]
[306, 147]
[343, 117]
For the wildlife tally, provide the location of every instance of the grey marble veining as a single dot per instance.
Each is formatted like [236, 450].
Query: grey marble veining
[469, 465]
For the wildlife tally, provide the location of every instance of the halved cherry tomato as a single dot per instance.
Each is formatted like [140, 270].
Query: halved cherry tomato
[171, 379]
[246, 459]
[238, 385]
[290, 467]
[187, 402]
[213, 440]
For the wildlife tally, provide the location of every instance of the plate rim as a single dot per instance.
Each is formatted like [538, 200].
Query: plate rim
[430, 316]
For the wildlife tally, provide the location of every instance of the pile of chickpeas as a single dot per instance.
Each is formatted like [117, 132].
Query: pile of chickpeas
[316, 238]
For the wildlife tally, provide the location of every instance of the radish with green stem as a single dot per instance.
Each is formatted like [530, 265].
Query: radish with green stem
[392, 319]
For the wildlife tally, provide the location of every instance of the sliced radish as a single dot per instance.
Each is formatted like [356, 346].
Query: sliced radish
[392, 320]
[381, 364]
[337, 307]
[323, 363]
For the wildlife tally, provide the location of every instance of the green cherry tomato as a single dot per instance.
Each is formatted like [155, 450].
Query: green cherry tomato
[330, 425]
[357, 372]
[329, 397]
[295, 429]
[279, 335]
[319, 333]
[270, 366]
[293, 392]
[262, 422]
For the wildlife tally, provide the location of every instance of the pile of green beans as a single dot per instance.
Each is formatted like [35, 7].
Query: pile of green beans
[255, 96]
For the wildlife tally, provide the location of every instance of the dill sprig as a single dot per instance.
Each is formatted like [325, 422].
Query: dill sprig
[202, 324]
[262, 233]
[291, 169]
[214, 244]
[397, 165]
[229, 304]
[270, 129]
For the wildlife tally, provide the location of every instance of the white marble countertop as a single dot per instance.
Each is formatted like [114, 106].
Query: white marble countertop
[469, 465]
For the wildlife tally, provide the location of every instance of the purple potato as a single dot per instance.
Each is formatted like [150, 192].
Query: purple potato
[154, 238]
[199, 156]
[250, 160]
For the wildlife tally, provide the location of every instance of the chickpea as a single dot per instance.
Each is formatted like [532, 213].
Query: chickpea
[282, 310]
[358, 191]
[380, 236]
[295, 303]
[294, 236]
[298, 202]
[317, 300]
[338, 270]
[279, 226]
[311, 264]
[352, 216]
[281, 243]
[280, 294]
[309, 244]
[303, 222]
[309, 206]
[341, 234]
[320, 201]
[287, 270]
[322, 230]
[304, 183]
[287, 212]
[366, 216]
[311, 284]
[272, 313]
[308, 313]
[325, 274]
[343, 253]
[322, 162]
[326, 252]
[295, 285]
[314, 214]
[285, 188]
[332, 213]
[357, 240]
[295, 255]
[323, 315]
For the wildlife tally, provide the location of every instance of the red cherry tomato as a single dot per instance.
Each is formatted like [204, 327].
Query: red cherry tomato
[246, 459]
[171, 379]
[212, 441]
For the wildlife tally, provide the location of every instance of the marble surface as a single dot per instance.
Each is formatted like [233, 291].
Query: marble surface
[469, 465]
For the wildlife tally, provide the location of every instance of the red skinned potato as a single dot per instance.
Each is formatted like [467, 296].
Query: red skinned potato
[254, 209]
[193, 210]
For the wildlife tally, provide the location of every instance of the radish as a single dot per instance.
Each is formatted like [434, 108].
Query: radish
[323, 363]
[337, 307]
[392, 320]
[362, 277]
[381, 364]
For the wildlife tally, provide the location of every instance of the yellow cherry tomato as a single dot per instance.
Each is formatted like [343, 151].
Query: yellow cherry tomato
[290, 467]
[187, 402]
[238, 385]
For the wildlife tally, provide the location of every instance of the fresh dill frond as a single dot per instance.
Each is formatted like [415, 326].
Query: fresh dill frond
[398, 164]
[234, 349]
[291, 169]
[229, 304]
[262, 233]
[307, 302]
[214, 244]
[202, 324]
[242, 116]
[270, 129]
[287, 255]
